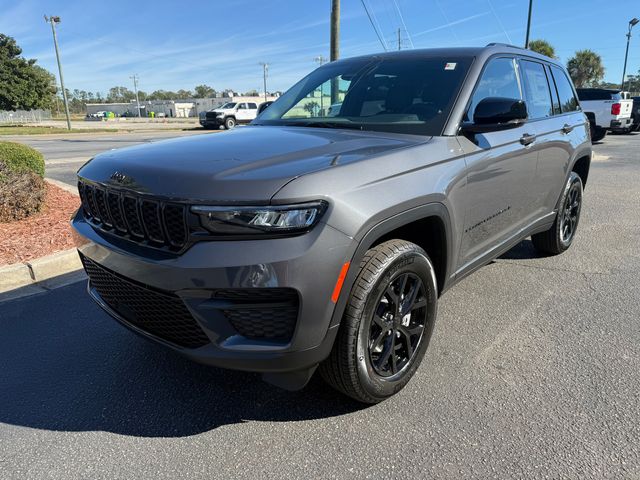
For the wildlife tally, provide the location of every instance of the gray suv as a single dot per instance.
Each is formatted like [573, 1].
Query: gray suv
[321, 236]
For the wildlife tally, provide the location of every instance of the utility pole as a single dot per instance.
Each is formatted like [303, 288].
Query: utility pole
[632, 23]
[135, 88]
[321, 60]
[526, 41]
[335, 45]
[53, 21]
[399, 40]
[265, 70]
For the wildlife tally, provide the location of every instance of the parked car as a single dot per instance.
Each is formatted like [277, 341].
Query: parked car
[635, 114]
[263, 106]
[229, 115]
[302, 242]
[607, 110]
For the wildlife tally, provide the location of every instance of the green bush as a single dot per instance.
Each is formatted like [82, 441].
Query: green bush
[20, 158]
[22, 188]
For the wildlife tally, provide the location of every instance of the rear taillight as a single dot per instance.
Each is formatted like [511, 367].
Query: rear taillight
[615, 109]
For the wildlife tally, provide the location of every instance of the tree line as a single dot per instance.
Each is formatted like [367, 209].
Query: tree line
[586, 68]
[27, 86]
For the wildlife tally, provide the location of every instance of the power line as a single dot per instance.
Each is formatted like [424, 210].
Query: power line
[403, 24]
[499, 22]
[374, 27]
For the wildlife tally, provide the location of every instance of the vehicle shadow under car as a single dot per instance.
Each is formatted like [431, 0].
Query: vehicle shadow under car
[67, 366]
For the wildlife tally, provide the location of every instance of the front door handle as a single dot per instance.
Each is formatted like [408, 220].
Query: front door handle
[566, 128]
[527, 139]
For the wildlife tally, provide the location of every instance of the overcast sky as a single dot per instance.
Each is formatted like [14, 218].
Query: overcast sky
[180, 44]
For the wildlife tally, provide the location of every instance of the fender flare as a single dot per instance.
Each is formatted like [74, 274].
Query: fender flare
[435, 209]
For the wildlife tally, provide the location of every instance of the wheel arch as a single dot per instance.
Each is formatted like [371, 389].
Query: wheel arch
[428, 226]
[581, 166]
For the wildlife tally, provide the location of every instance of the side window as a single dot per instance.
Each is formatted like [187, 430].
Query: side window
[499, 79]
[568, 101]
[242, 106]
[253, 106]
[554, 92]
[536, 90]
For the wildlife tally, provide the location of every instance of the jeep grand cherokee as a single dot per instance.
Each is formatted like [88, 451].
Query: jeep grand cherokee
[322, 240]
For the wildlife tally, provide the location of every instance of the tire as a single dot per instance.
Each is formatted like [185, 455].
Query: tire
[597, 133]
[561, 234]
[374, 358]
[229, 123]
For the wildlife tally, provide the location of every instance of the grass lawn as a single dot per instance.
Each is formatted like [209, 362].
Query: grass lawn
[25, 130]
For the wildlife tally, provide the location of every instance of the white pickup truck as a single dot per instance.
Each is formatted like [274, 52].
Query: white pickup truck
[230, 114]
[607, 110]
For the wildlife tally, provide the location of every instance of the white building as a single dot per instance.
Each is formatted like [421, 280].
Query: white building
[171, 108]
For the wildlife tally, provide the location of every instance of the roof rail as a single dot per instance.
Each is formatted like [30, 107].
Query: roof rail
[494, 44]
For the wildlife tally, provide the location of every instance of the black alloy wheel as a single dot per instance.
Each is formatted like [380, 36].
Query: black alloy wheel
[397, 325]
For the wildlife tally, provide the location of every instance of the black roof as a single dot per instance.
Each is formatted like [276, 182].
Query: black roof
[478, 52]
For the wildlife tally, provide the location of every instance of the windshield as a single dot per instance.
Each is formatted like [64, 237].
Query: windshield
[401, 95]
[227, 106]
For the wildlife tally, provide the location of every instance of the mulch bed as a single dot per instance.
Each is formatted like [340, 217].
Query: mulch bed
[41, 234]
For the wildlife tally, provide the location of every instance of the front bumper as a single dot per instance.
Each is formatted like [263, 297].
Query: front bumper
[309, 264]
[212, 122]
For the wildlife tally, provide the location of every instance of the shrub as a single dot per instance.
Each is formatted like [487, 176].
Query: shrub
[21, 158]
[22, 188]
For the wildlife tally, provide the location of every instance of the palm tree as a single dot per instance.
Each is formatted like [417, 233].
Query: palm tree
[585, 68]
[543, 47]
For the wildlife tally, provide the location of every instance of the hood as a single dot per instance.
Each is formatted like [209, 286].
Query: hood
[245, 165]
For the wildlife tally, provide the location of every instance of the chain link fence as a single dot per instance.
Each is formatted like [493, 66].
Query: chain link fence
[25, 116]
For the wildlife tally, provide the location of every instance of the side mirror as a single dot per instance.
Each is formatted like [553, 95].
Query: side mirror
[496, 113]
[263, 106]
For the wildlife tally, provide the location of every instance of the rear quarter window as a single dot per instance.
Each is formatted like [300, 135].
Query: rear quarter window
[568, 100]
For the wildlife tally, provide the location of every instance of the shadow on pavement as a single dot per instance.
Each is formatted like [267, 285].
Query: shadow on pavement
[67, 366]
[523, 250]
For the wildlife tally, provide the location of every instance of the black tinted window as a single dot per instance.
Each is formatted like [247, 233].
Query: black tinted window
[568, 100]
[253, 105]
[405, 94]
[499, 79]
[554, 92]
[536, 89]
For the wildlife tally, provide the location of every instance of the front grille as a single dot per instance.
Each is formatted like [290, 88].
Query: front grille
[155, 223]
[211, 115]
[262, 313]
[161, 314]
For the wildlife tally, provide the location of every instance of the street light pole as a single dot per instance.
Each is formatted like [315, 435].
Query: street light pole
[53, 21]
[632, 23]
[265, 70]
[135, 88]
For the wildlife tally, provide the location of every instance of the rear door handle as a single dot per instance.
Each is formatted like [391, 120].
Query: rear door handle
[527, 139]
[566, 128]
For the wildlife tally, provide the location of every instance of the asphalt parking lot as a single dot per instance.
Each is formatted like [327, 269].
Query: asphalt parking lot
[533, 372]
[65, 153]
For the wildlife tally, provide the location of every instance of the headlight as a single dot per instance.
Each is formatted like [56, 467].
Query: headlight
[277, 219]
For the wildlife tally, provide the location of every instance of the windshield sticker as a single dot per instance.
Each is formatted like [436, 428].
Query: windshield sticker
[450, 66]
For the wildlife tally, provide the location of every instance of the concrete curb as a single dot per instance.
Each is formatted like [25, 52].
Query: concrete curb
[66, 187]
[39, 275]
